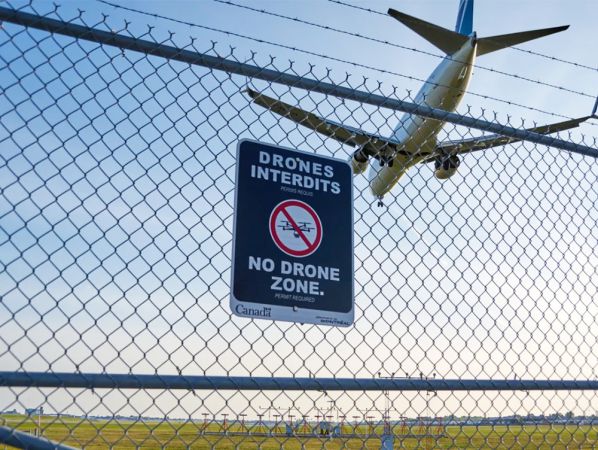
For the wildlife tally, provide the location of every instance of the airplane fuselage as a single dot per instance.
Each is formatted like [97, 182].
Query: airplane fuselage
[415, 139]
[444, 89]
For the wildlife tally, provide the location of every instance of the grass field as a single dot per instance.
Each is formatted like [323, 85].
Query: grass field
[123, 434]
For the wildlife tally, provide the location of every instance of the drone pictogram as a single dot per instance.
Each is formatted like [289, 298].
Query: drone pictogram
[295, 228]
[306, 227]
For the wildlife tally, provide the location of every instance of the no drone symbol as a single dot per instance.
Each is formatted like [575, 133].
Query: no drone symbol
[296, 228]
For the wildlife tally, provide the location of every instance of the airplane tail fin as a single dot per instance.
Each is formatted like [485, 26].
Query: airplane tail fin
[493, 43]
[464, 23]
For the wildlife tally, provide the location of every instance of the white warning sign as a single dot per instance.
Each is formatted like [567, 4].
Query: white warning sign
[295, 228]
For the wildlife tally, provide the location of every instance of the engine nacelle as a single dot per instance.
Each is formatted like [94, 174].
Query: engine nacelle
[446, 166]
[359, 161]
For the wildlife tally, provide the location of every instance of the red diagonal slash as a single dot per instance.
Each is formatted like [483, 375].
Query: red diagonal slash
[282, 208]
[296, 228]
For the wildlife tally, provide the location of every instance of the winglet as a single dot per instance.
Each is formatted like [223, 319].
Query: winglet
[250, 92]
[595, 108]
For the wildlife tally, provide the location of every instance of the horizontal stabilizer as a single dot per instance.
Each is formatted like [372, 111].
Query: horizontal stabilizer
[446, 40]
[493, 43]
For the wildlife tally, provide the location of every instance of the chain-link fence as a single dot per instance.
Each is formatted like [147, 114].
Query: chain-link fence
[474, 318]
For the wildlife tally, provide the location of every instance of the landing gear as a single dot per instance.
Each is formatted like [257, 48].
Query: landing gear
[386, 161]
[380, 202]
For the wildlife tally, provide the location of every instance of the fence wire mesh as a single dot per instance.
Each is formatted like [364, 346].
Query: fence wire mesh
[117, 190]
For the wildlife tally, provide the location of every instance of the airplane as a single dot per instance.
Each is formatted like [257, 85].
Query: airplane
[303, 226]
[414, 140]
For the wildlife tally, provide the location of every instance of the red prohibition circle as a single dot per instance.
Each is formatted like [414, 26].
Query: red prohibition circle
[310, 246]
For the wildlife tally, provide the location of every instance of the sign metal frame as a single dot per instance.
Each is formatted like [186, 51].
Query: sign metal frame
[261, 308]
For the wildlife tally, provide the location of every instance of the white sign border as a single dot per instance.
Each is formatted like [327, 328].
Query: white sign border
[294, 314]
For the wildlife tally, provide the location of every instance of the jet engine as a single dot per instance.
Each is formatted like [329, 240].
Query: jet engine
[446, 166]
[359, 161]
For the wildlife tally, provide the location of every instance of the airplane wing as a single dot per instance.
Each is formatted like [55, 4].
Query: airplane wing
[375, 145]
[372, 143]
[482, 143]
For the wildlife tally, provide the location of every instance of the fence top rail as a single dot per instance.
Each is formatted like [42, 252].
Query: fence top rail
[235, 67]
[146, 381]
[19, 439]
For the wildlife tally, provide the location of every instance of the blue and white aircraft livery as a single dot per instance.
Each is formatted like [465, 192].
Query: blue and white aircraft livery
[414, 139]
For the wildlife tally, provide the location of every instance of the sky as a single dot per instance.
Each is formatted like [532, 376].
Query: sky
[572, 45]
[117, 171]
